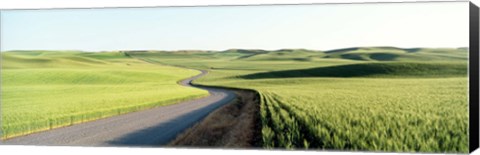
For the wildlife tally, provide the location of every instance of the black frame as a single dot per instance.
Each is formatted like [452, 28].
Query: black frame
[474, 79]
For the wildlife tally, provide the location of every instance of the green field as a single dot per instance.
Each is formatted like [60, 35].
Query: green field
[41, 90]
[374, 99]
[370, 98]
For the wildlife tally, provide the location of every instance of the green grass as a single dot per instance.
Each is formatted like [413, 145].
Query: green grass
[395, 69]
[425, 115]
[375, 99]
[398, 54]
[42, 90]
[367, 98]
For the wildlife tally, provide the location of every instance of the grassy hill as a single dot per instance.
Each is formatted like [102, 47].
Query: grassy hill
[399, 54]
[395, 69]
[355, 53]
[42, 90]
[361, 98]
[364, 98]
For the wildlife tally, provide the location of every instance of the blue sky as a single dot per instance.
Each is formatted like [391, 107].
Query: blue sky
[320, 27]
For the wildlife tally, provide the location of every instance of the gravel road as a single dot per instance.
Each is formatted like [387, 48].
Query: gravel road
[152, 127]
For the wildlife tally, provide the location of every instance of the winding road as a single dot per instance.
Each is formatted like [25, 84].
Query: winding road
[152, 127]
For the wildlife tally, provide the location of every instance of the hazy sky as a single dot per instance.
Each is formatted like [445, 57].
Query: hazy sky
[319, 27]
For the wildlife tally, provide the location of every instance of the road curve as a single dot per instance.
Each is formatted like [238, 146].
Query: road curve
[152, 127]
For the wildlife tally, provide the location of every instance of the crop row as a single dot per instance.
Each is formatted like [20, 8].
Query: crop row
[297, 125]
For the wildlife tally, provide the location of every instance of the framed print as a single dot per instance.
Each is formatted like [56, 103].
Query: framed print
[355, 77]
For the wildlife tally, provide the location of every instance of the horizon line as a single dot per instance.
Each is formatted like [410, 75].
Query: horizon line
[179, 50]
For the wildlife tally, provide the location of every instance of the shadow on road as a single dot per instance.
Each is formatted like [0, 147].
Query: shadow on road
[161, 134]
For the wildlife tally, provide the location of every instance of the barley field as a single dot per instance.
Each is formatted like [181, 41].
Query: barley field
[371, 98]
[41, 90]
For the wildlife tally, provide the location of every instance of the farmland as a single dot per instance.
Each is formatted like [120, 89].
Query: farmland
[373, 99]
[41, 90]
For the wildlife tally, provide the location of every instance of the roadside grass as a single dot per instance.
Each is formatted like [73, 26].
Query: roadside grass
[42, 90]
[321, 100]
